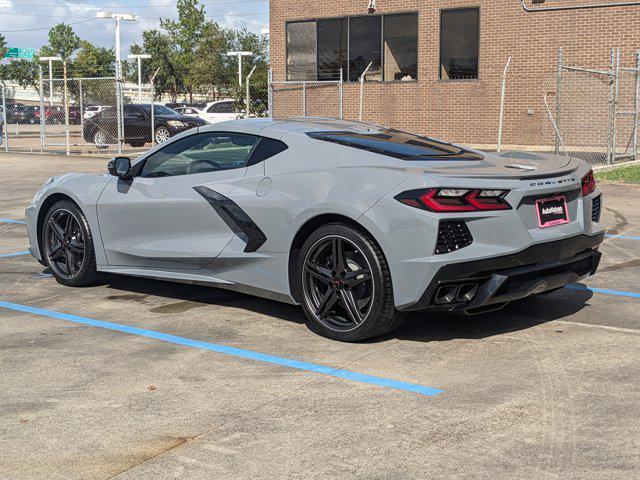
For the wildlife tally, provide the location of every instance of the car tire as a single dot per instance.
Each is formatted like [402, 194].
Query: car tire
[67, 245]
[162, 134]
[339, 302]
[100, 139]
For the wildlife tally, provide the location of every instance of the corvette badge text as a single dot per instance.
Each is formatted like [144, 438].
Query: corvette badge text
[553, 182]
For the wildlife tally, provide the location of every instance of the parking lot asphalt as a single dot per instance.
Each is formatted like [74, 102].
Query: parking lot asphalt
[146, 379]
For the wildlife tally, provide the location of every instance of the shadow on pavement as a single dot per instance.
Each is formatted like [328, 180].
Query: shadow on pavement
[419, 326]
[519, 315]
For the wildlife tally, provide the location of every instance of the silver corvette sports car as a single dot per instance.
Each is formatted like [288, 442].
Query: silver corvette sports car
[355, 222]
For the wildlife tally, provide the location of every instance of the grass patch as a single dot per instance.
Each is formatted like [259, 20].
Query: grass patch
[629, 174]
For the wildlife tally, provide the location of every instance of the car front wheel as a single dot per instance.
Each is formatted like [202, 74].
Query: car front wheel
[162, 135]
[346, 285]
[100, 139]
[67, 245]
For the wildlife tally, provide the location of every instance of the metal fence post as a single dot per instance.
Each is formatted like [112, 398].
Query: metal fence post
[42, 114]
[4, 120]
[81, 108]
[248, 98]
[153, 95]
[340, 93]
[616, 89]
[611, 91]
[304, 99]
[635, 107]
[362, 77]
[270, 93]
[502, 94]
[119, 115]
[66, 106]
[559, 94]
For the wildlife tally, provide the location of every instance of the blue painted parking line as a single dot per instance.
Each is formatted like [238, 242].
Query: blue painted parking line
[233, 351]
[628, 237]
[9, 220]
[14, 254]
[605, 291]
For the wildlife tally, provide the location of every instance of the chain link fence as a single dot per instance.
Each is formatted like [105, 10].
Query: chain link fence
[592, 111]
[589, 112]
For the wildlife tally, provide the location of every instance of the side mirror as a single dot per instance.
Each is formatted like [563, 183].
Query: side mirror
[120, 167]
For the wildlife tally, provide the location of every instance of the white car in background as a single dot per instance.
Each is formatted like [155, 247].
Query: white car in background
[212, 112]
[92, 110]
[220, 111]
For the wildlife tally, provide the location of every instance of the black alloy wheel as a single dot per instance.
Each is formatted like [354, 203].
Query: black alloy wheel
[65, 245]
[338, 283]
[346, 288]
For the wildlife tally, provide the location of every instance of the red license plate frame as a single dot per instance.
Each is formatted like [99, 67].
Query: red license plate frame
[552, 202]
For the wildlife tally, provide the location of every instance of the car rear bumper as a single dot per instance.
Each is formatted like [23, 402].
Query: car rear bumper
[481, 285]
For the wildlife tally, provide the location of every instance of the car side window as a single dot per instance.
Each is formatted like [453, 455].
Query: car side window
[132, 112]
[201, 153]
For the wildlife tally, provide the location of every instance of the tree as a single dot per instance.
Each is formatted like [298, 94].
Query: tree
[3, 46]
[186, 33]
[23, 72]
[92, 61]
[210, 70]
[164, 59]
[63, 42]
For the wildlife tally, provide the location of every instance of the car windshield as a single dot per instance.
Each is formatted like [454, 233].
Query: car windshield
[398, 144]
[159, 110]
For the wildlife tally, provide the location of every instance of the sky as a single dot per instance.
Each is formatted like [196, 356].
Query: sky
[35, 17]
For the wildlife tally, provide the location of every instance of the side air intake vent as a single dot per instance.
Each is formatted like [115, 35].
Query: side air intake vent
[596, 206]
[452, 235]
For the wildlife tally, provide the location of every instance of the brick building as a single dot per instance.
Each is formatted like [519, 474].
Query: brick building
[437, 66]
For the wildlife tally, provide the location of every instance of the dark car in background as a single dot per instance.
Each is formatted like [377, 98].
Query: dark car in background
[102, 129]
[28, 114]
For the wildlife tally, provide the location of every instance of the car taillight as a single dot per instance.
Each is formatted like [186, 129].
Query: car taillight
[452, 200]
[588, 183]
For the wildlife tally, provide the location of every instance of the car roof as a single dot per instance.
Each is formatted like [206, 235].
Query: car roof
[224, 100]
[277, 128]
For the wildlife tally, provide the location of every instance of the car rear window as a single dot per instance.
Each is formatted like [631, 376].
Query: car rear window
[397, 144]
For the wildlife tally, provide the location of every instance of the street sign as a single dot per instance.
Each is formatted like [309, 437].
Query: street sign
[27, 53]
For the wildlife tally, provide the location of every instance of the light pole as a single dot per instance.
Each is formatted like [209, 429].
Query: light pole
[239, 55]
[140, 57]
[51, 60]
[118, 17]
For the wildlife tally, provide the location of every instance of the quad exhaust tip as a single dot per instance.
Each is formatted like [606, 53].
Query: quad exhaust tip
[449, 294]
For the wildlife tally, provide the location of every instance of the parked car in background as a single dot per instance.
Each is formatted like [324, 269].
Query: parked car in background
[92, 110]
[190, 111]
[56, 114]
[26, 114]
[102, 128]
[220, 111]
[175, 105]
[11, 109]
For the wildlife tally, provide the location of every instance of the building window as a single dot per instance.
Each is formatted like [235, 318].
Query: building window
[459, 44]
[332, 48]
[401, 47]
[365, 46]
[319, 49]
[301, 51]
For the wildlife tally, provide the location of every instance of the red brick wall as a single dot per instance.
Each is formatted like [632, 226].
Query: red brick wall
[467, 111]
